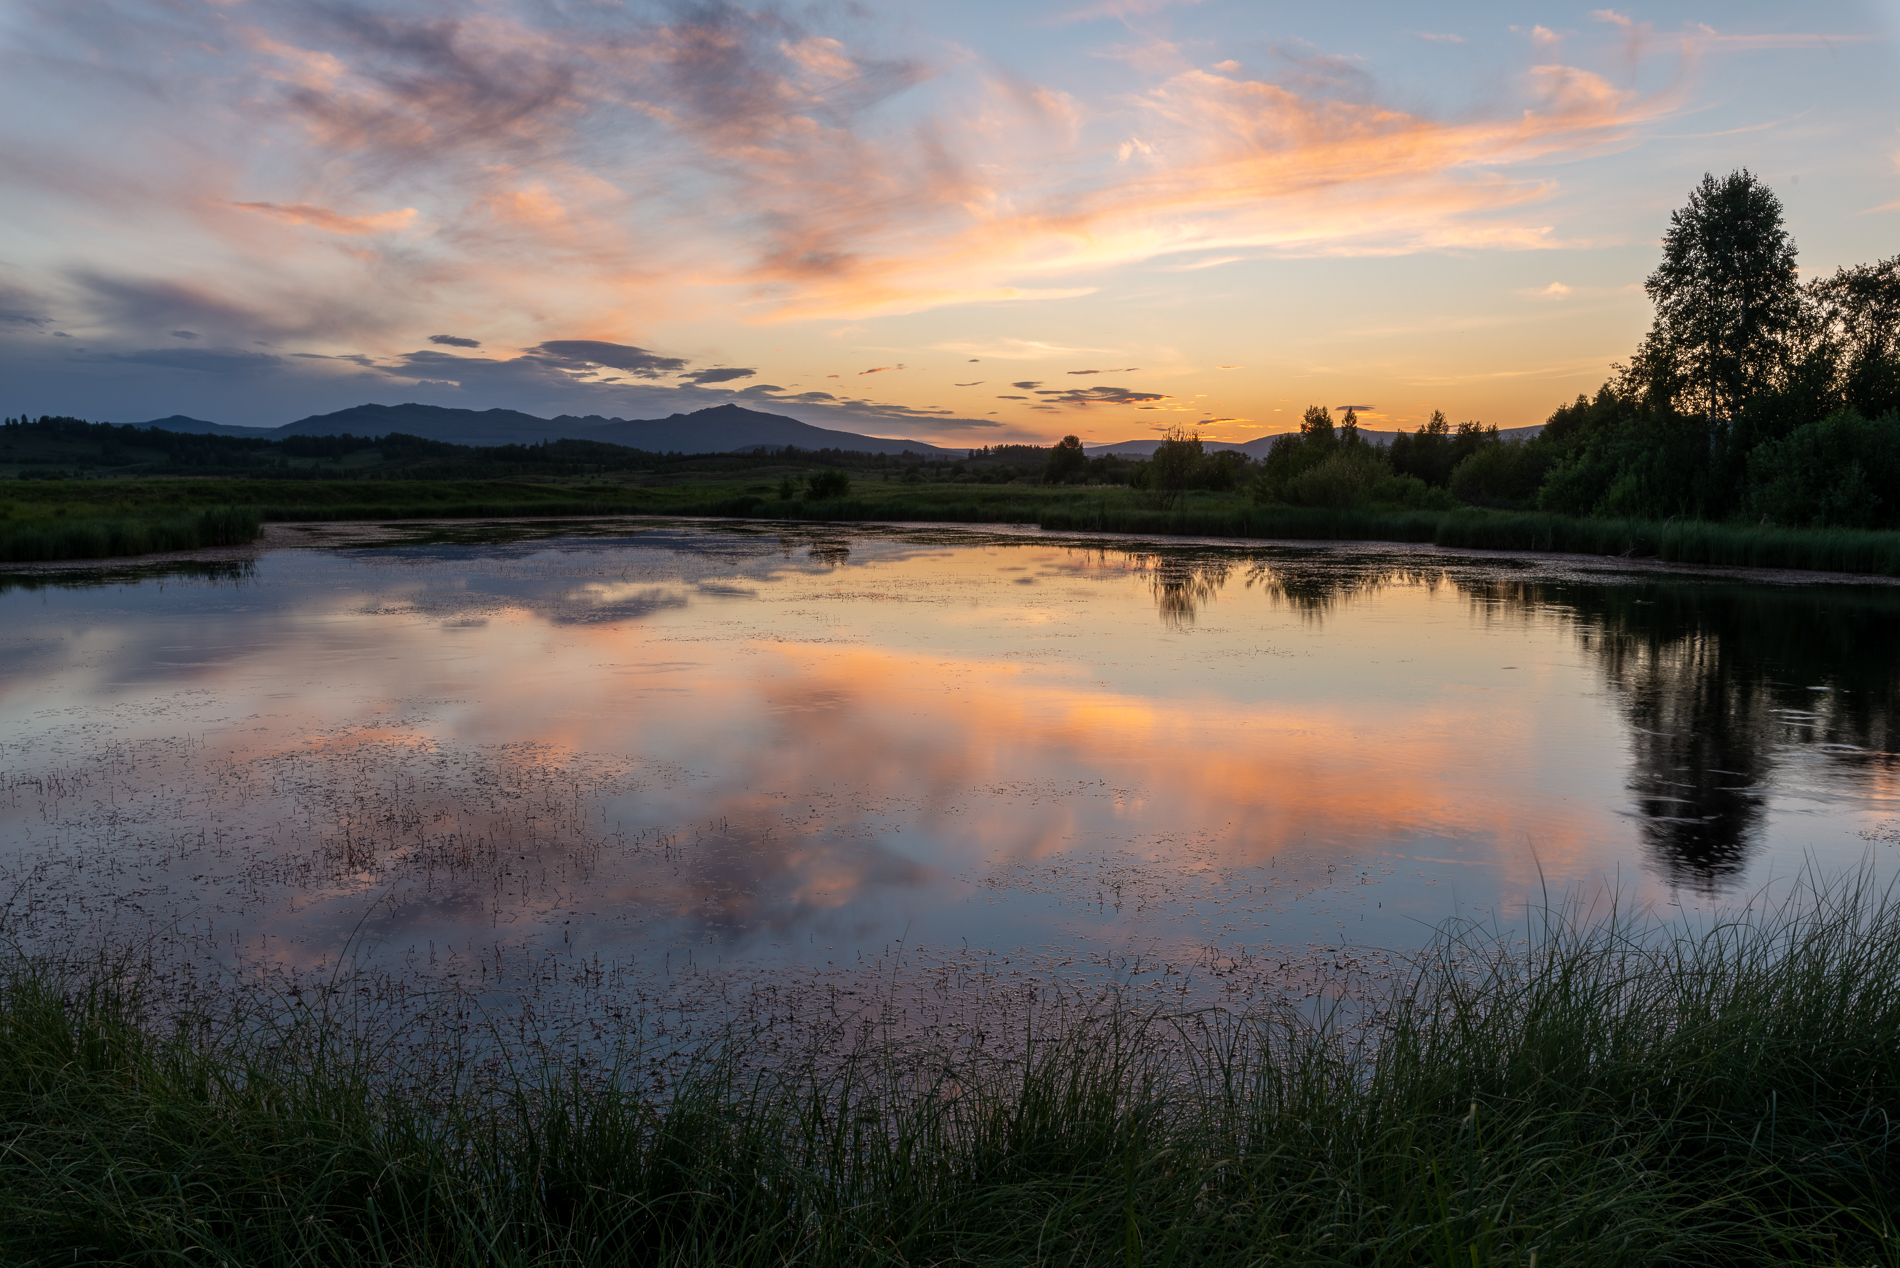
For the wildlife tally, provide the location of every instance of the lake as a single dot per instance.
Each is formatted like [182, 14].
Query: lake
[669, 774]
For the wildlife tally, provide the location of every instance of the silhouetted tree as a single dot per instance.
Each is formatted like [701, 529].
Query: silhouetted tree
[1861, 310]
[1066, 462]
[1316, 427]
[1436, 449]
[1172, 469]
[1726, 294]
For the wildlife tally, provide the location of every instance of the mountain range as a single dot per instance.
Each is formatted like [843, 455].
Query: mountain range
[720, 429]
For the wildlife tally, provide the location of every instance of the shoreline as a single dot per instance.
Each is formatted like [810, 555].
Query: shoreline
[319, 534]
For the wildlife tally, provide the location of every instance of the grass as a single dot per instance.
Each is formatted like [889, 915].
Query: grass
[111, 536]
[1690, 542]
[1607, 1093]
[99, 518]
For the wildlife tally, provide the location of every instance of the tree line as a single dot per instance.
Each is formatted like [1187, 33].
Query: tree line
[1754, 397]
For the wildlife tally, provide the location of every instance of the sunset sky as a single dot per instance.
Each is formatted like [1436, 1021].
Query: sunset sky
[966, 223]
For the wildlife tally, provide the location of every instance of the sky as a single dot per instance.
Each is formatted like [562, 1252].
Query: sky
[970, 223]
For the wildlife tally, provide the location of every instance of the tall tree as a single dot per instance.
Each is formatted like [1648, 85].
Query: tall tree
[1173, 466]
[1317, 426]
[1067, 461]
[1865, 301]
[1726, 294]
[1861, 311]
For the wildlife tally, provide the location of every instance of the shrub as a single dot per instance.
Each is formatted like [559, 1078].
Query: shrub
[1345, 478]
[1505, 474]
[1829, 474]
[829, 485]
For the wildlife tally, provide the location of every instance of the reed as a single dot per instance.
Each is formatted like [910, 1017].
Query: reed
[1678, 541]
[1234, 519]
[1611, 1091]
[142, 519]
[108, 536]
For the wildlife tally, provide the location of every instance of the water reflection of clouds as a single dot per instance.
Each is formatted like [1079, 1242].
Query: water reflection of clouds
[1707, 672]
[745, 883]
[620, 601]
[966, 726]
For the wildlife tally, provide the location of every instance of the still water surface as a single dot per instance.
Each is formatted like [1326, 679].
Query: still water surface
[701, 759]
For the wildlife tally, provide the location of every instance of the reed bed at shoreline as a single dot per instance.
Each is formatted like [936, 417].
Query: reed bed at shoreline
[1610, 1091]
[1691, 542]
[111, 536]
[179, 520]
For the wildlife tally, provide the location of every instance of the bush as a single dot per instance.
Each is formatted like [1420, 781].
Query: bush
[1505, 474]
[1828, 474]
[1343, 479]
[829, 485]
[1409, 493]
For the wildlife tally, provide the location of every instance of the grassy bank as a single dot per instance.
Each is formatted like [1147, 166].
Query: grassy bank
[112, 536]
[96, 519]
[1604, 1095]
[1692, 542]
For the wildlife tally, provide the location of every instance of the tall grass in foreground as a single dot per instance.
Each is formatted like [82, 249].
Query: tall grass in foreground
[1609, 1093]
[104, 537]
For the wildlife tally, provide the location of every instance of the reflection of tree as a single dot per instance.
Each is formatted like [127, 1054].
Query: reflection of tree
[1182, 584]
[228, 571]
[1716, 681]
[1315, 588]
[831, 554]
[1699, 743]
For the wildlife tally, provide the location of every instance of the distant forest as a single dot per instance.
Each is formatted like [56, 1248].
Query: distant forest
[58, 447]
[1754, 398]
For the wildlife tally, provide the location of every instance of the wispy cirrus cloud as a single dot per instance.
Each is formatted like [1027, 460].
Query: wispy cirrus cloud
[535, 151]
[331, 221]
[571, 181]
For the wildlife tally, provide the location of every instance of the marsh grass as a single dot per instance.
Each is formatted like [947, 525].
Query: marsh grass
[109, 536]
[1674, 541]
[1610, 1091]
[100, 519]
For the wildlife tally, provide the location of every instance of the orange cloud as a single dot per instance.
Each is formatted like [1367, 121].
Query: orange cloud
[332, 221]
[1232, 162]
[719, 163]
[845, 220]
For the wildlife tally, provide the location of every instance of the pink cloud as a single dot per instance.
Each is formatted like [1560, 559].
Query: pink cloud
[331, 221]
[593, 175]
